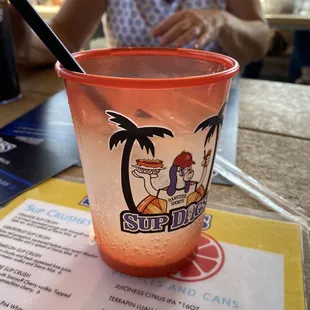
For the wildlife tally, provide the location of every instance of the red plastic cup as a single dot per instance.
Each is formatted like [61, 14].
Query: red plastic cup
[147, 123]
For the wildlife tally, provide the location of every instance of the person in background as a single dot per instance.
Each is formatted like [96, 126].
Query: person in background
[277, 47]
[299, 68]
[234, 27]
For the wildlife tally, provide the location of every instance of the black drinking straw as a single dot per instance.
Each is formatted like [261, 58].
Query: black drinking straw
[58, 49]
[47, 35]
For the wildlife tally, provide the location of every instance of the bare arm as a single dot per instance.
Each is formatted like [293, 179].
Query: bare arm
[245, 34]
[241, 30]
[74, 24]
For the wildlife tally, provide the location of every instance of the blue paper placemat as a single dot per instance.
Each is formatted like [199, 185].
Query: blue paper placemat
[36, 146]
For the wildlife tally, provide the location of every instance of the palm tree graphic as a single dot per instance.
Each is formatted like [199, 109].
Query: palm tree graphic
[214, 123]
[131, 133]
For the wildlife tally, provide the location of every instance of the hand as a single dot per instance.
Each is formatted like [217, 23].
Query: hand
[137, 174]
[205, 163]
[305, 77]
[29, 50]
[21, 32]
[197, 26]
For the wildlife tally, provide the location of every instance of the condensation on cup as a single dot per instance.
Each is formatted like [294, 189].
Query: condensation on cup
[147, 123]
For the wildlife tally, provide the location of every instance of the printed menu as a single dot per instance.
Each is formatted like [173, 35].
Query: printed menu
[49, 260]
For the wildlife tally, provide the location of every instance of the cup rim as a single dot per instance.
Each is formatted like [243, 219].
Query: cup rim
[150, 83]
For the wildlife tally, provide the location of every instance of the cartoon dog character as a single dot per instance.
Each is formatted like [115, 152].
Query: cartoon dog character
[181, 173]
[181, 184]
